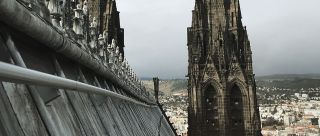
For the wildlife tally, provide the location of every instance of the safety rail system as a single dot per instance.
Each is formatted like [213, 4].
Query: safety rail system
[60, 74]
[18, 74]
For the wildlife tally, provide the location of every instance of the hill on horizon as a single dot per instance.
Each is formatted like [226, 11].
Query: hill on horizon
[288, 76]
[262, 77]
[168, 87]
[175, 86]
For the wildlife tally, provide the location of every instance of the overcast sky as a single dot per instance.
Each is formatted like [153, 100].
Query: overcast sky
[284, 35]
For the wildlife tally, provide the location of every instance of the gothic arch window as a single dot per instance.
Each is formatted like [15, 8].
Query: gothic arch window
[211, 110]
[236, 111]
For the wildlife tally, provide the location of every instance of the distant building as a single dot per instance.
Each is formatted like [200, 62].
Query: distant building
[305, 96]
[315, 121]
[297, 95]
[221, 86]
[288, 120]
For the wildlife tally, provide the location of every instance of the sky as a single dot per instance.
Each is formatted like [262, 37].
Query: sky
[284, 35]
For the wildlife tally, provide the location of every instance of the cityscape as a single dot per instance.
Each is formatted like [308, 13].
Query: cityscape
[159, 68]
[292, 111]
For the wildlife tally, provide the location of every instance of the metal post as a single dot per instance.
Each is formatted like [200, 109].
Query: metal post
[156, 88]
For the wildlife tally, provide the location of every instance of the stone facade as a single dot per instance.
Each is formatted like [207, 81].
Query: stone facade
[221, 85]
[107, 16]
[59, 42]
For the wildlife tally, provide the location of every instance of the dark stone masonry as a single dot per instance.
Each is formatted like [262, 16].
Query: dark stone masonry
[221, 85]
[63, 73]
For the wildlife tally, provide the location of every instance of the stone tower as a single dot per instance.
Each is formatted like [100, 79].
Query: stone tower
[221, 85]
[107, 15]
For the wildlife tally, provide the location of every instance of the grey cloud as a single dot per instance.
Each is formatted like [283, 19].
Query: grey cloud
[284, 35]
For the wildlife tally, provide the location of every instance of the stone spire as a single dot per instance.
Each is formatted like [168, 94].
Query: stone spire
[221, 85]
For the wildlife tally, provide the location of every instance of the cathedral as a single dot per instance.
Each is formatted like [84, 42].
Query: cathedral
[221, 85]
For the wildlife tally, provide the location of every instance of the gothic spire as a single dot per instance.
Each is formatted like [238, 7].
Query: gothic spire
[220, 71]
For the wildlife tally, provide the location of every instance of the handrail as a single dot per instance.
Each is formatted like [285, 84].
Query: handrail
[15, 15]
[12, 73]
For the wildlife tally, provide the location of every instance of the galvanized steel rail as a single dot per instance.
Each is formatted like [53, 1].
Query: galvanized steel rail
[12, 73]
